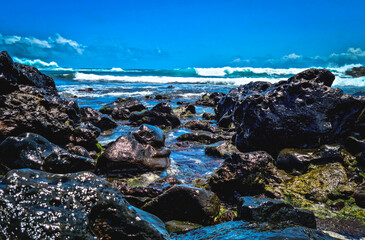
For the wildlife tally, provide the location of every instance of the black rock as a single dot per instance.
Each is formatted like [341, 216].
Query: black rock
[208, 116]
[360, 197]
[221, 149]
[160, 115]
[274, 211]
[185, 203]
[78, 150]
[30, 150]
[150, 135]
[40, 205]
[128, 157]
[259, 231]
[161, 97]
[14, 74]
[243, 173]
[356, 72]
[302, 113]
[321, 76]
[210, 99]
[185, 110]
[355, 145]
[197, 124]
[201, 137]
[122, 108]
[86, 90]
[99, 120]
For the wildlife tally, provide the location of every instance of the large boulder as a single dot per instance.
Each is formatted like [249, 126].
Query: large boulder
[221, 149]
[259, 231]
[122, 108]
[14, 74]
[243, 174]
[185, 203]
[127, 157]
[30, 150]
[210, 99]
[150, 135]
[201, 137]
[356, 72]
[197, 124]
[303, 112]
[41, 205]
[160, 115]
[97, 119]
[275, 211]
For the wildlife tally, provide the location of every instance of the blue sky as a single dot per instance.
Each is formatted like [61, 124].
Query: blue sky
[185, 33]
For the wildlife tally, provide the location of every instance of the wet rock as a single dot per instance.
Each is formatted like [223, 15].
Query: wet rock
[99, 120]
[201, 137]
[228, 104]
[210, 99]
[299, 159]
[221, 149]
[320, 183]
[127, 157]
[150, 135]
[78, 150]
[356, 72]
[170, 86]
[302, 113]
[185, 203]
[85, 135]
[30, 150]
[355, 145]
[360, 197]
[247, 230]
[40, 205]
[321, 76]
[197, 124]
[185, 110]
[86, 90]
[344, 228]
[243, 173]
[274, 211]
[160, 115]
[162, 97]
[208, 116]
[179, 227]
[122, 108]
[14, 74]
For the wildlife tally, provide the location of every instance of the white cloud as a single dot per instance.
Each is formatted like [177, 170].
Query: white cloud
[63, 41]
[291, 56]
[351, 54]
[35, 42]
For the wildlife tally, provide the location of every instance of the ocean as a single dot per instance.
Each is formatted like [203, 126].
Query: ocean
[182, 85]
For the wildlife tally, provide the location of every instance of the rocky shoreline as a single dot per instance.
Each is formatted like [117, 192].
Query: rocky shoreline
[292, 153]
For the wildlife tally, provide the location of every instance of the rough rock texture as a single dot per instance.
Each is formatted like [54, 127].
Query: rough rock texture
[127, 157]
[185, 110]
[300, 113]
[275, 211]
[78, 150]
[14, 74]
[210, 99]
[122, 108]
[243, 173]
[259, 231]
[221, 149]
[178, 227]
[30, 104]
[360, 196]
[208, 116]
[201, 137]
[197, 124]
[97, 119]
[40, 205]
[356, 72]
[150, 135]
[185, 203]
[160, 115]
[30, 150]
[299, 159]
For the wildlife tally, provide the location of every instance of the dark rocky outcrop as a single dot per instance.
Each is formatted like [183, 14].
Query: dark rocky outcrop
[243, 173]
[150, 135]
[14, 74]
[201, 137]
[274, 211]
[40, 205]
[30, 150]
[185, 203]
[127, 157]
[185, 110]
[221, 149]
[247, 230]
[197, 124]
[78, 150]
[208, 116]
[356, 72]
[122, 108]
[160, 115]
[99, 120]
[210, 99]
[303, 112]
[360, 196]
